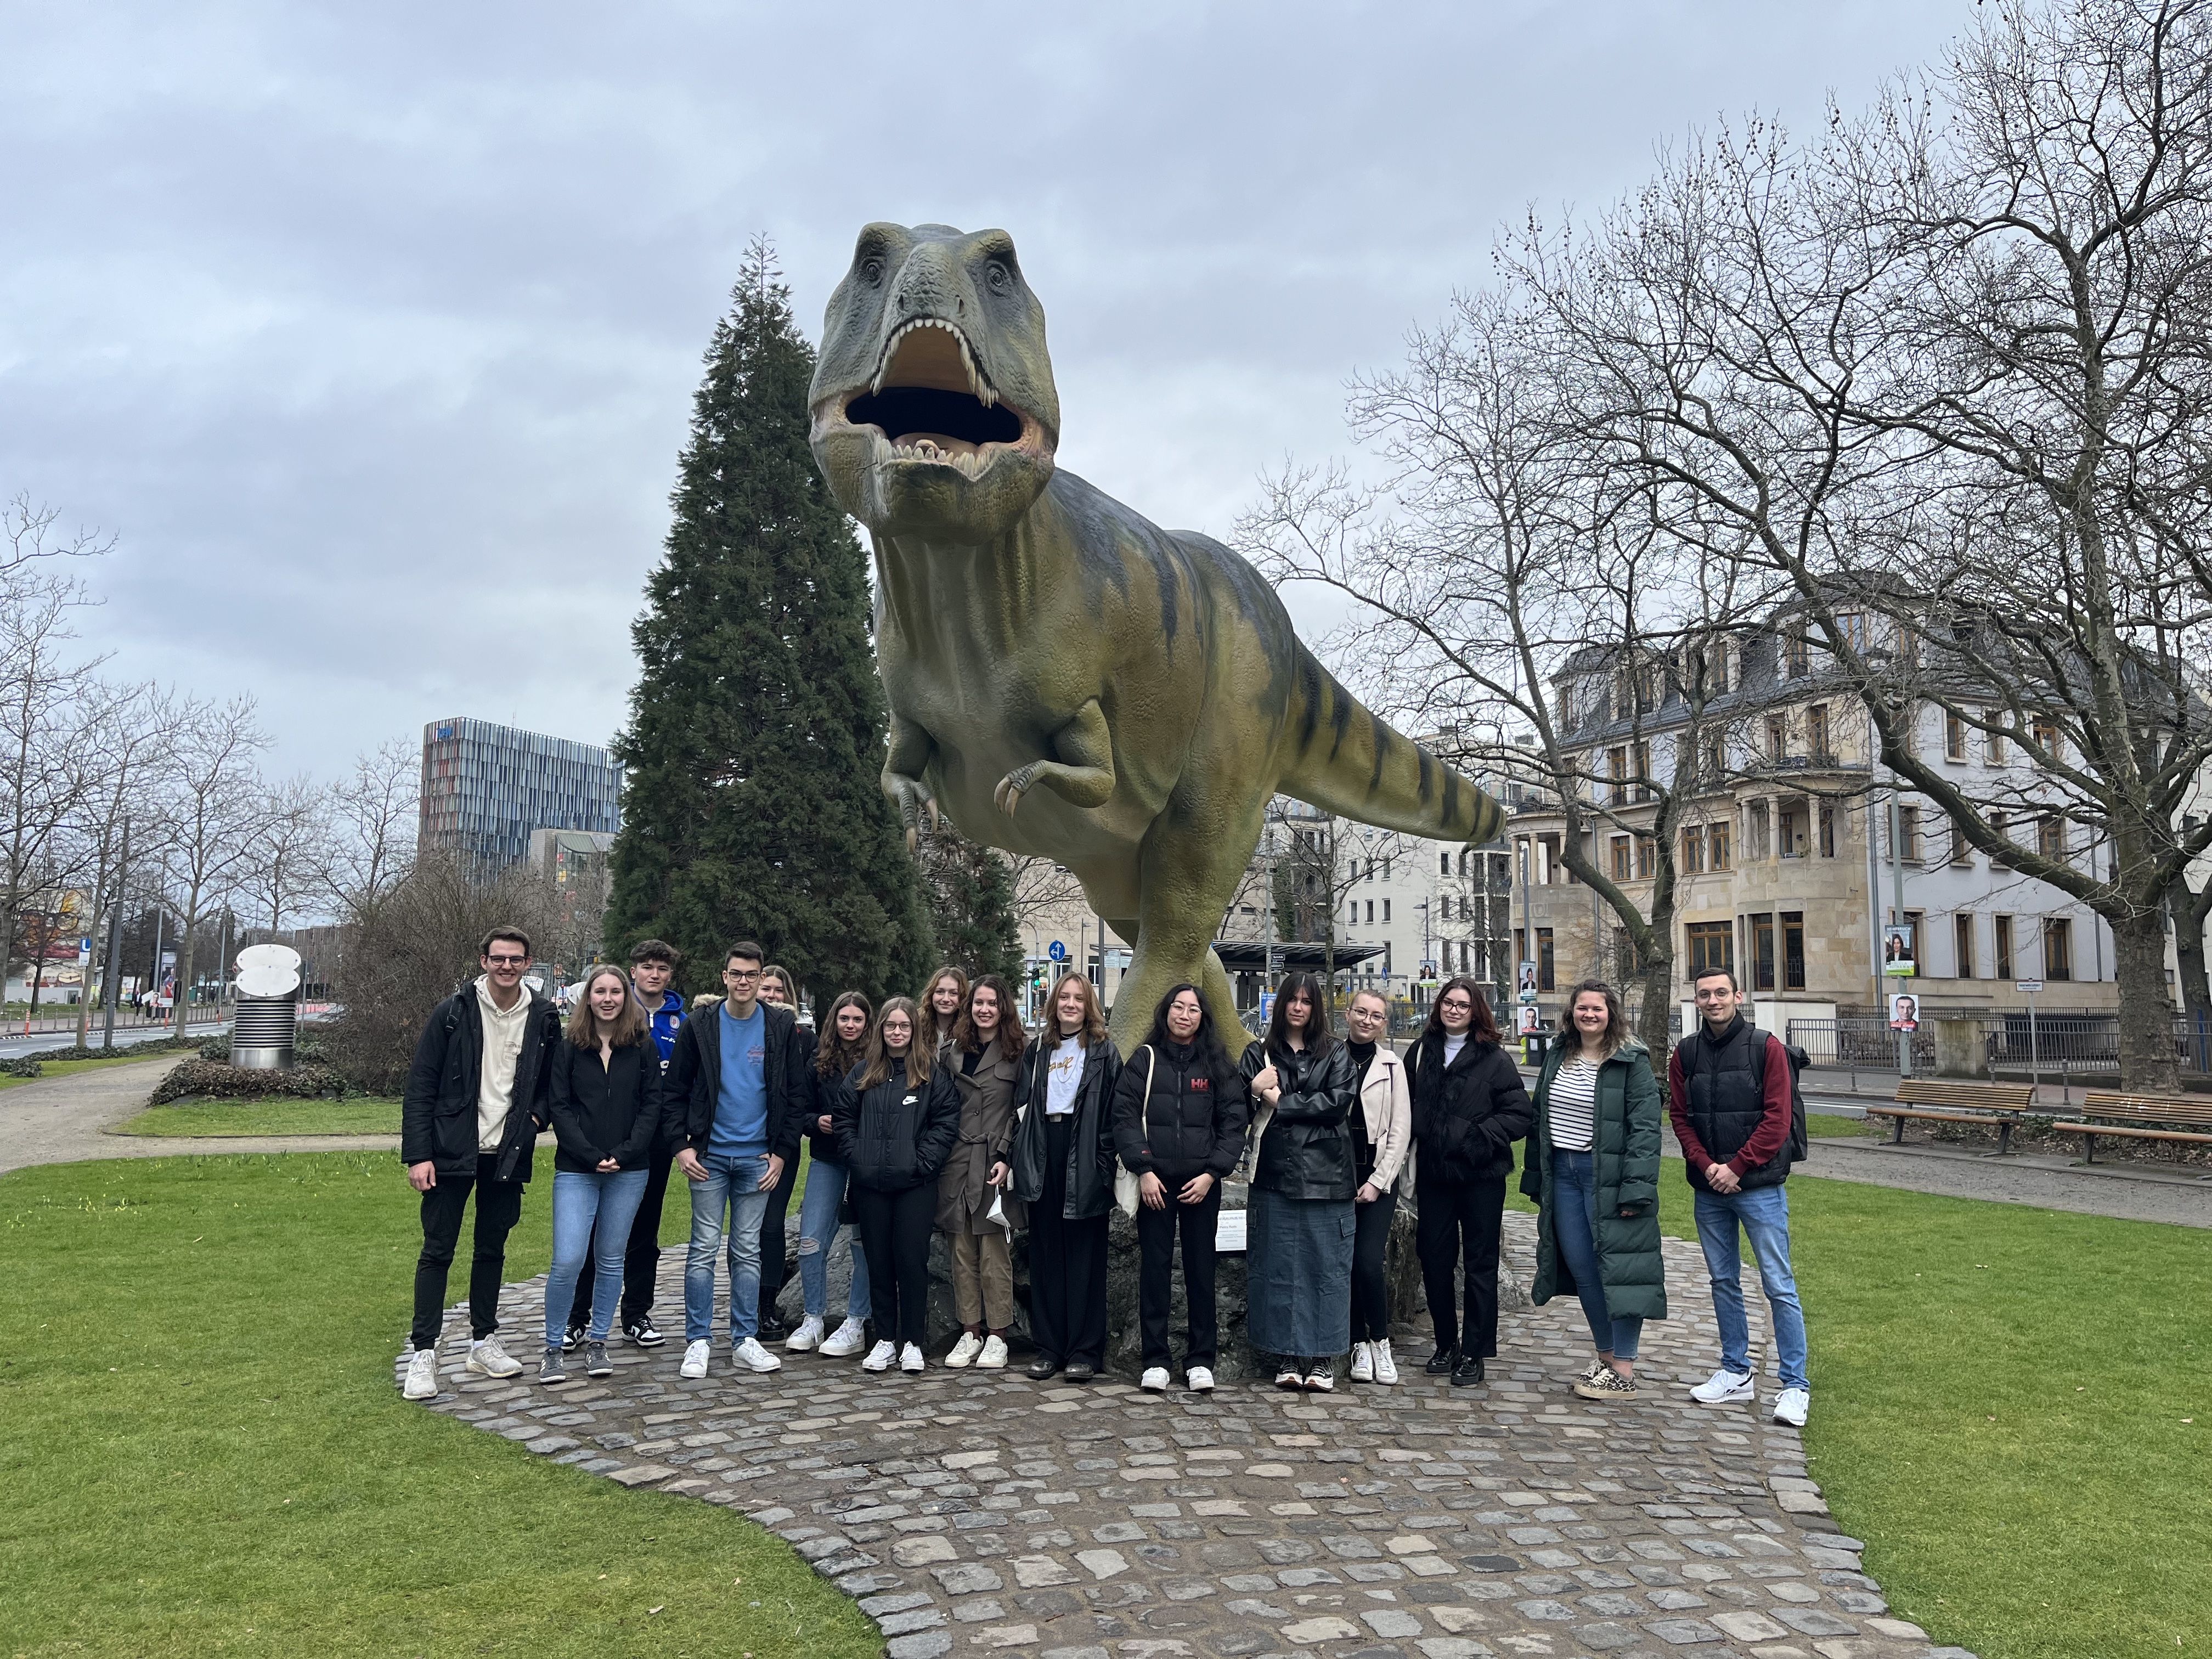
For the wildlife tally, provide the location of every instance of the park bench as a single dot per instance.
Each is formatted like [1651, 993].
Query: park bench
[1942, 1100]
[2143, 1117]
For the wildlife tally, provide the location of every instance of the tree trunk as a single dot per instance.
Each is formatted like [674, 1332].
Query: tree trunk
[1657, 980]
[2189, 918]
[2148, 1064]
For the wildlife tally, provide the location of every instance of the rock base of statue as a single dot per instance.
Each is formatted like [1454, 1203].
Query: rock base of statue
[1234, 1360]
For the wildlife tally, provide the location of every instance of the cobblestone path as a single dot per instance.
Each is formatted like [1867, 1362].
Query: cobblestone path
[973, 1512]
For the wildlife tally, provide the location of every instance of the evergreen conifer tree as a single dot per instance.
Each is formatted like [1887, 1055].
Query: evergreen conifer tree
[971, 904]
[751, 808]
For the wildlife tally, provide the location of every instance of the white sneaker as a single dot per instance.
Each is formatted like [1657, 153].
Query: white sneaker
[488, 1359]
[806, 1338]
[881, 1358]
[1723, 1387]
[848, 1339]
[1363, 1366]
[1386, 1368]
[696, 1355]
[750, 1354]
[964, 1351]
[1155, 1379]
[421, 1382]
[1199, 1379]
[910, 1359]
[1791, 1406]
[995, 1353]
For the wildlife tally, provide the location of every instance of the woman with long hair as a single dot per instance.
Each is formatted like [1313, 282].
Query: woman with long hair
[778, 989]
[986, 1063]
[1593, 1168]
[1063, 1171]
[938, 1009]
[1469, 1107]
[1382, 1136]
[1300, 1226]
[896, 1118]
[1179, 1116]
[842, 1048]
[604, 1091]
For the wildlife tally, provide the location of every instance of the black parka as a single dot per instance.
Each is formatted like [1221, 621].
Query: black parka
[895, 1135]
[1306, 1150]
[606, 1109]
[438, 1109]
[1468, 1115]
[1625, 1153]
[1090, 1144]
[1192, 1122]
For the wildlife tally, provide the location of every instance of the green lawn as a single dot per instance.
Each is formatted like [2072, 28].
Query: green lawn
[1829, 1125]
[2011, 1407]
[354, 1115]
[203, 1453]
[54, 1068]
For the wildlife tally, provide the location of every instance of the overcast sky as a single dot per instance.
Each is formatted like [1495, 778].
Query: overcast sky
[371, 333]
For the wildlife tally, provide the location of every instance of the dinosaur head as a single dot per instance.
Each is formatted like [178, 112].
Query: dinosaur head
[933, 409]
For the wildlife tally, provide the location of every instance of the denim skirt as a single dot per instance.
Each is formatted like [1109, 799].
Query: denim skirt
[1299, 1275]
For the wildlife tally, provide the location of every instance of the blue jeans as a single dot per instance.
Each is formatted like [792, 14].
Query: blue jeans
[818, 1231]
[579, 1199]
[733, 1185]
[1764, 1213]
[1574, 1232]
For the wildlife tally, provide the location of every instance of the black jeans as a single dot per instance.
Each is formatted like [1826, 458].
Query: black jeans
[499, 1207]
[894, 1231]
[1461, 1219]
[1067, 1265]
[775, 1258]
[1156, 1231]
[641, 1261]
[1370, 1289]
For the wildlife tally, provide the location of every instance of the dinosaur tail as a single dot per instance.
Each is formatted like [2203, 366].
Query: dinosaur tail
[1341, 758]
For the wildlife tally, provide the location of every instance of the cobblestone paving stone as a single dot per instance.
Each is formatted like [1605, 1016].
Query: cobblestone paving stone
[974, 1512]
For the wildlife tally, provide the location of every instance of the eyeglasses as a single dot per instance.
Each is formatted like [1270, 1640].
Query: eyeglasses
[739, 974]
[505, 961]
[1457, 1005]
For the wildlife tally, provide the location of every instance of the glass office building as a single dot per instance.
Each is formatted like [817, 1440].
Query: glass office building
[486, 788]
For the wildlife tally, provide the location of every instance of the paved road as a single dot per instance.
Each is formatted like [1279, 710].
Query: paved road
[2168, 1193]
[61, 1120]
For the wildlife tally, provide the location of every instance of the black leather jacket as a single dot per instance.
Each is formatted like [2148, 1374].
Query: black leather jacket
[1090, 1147]
[1306, 1150]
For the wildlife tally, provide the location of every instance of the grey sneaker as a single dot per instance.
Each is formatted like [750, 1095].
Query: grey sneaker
[552, 1368]
[596, 1363]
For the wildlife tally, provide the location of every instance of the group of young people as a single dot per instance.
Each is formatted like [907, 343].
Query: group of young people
[942, 1113]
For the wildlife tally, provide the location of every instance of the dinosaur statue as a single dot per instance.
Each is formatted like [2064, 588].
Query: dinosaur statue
[1066, 679]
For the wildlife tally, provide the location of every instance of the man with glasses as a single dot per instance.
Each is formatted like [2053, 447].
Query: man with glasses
[740, 1070]
[475, 1101]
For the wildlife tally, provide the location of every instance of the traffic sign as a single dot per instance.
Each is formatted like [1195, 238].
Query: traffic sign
[1057, 951]
[2027, 986]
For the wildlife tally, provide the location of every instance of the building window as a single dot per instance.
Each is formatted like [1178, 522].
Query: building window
[1954, 736]
[1717, 766]
[1852, 625]
[1385, 909]
[1962, 945]
[1797, 654]
[2051, 835]
[1711, 947]
[1621, 859]
[1908, 835]
[1716, 846]
[1789, 829]
[1643, 791]
[1616, 772]
[1647, 858]
[1793, 950]
[1759, 836]
[2057, 947]
[1962, 850]
[1777, 738]
[2046, 736]
[1827, 830]
[1545, 981]
[1693, 850]
[1370, 910]
[1816, 731]
[1762, 953]
[1444, 864]
[2003, 963]
[1993, 744]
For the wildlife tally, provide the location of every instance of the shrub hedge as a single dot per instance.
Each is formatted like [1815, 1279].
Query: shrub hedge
[209, 1079]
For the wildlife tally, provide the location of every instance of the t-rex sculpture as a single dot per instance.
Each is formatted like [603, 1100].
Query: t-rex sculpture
[1065, 677]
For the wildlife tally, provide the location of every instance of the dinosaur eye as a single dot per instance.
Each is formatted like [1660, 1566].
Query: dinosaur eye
[1000, 279]
[872, 271]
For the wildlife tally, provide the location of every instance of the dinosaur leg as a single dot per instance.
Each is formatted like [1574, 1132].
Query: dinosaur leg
[911, 748]
[1079, 767]
[1189, 870]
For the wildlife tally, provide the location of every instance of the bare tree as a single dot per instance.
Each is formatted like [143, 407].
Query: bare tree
[292, 854]
[213, 817]
[376, 813]
[128, 741]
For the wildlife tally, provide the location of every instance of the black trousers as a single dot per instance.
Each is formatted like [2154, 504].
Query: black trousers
[775, 1258]
[1157, 1232]
[1370, 1289]
[499, 1207]
[1460, 1221]
[1067, 1265]
[641, 1261]
[894, 1229]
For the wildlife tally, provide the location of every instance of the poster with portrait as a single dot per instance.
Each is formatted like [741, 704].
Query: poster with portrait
[1899, 949]
[1527, 981]
[1530, 1020]
[1904, 1012]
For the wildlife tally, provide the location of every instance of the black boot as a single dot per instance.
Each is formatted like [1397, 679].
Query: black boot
[1442, 1362]
[1468, 1372]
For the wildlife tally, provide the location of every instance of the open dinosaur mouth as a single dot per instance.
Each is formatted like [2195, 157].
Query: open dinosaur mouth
[932, 404]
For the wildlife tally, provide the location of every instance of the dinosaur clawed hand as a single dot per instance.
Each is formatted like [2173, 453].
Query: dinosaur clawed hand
[1012, 788]
[912, 798]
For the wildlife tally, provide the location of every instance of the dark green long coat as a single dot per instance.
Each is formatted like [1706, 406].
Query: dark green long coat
[1629, 1111]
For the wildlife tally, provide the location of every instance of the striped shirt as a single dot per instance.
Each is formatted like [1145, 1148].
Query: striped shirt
[1574, 1106]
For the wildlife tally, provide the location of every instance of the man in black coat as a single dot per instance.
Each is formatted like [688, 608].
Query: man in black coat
[475, 1101]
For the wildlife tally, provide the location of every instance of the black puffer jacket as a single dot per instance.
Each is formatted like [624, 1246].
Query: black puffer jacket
[1306, 1150]
[1467, 1116]
[896, 1134]
[1090, 1142]
[606, 1109]
[1192, 1122]
[438, 1111]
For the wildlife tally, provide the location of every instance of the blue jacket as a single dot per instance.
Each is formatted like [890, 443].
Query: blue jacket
[666, 1020]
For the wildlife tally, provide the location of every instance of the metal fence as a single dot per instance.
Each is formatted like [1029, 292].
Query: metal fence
[2055, 1047]
[1867, 1044]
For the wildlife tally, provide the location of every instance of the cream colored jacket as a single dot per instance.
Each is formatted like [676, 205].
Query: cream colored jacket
[1389, 1112]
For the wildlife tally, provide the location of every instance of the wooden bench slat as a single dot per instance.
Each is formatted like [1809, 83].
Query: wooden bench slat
[1995, 1097]
[2121, 1129]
